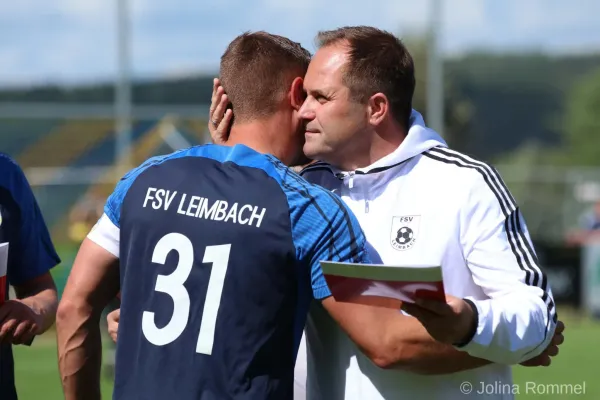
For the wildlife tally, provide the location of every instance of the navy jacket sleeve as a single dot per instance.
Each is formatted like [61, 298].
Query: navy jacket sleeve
[31, 252]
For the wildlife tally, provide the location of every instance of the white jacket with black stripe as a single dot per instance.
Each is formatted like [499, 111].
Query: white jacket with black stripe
[425, 204]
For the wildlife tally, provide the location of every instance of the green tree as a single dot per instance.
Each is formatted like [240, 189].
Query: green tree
[458, 109]
[582, 121]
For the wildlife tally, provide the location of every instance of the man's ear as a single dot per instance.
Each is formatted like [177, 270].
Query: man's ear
[297, 95]
[379, 107]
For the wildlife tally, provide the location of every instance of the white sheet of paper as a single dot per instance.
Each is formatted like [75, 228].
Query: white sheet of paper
[3, 258]
[378, 284]
[383, 272]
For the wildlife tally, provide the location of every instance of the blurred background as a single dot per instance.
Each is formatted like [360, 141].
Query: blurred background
[91, 88]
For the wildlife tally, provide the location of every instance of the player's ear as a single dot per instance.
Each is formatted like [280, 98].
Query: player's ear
[378, 108]
[297, 95]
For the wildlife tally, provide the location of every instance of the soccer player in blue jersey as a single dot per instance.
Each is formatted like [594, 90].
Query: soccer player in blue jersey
[30, 257]
[215, 251]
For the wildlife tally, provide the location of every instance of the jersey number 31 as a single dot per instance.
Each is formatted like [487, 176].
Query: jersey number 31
[173, 286]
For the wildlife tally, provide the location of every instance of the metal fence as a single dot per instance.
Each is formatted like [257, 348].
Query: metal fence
[71, 156]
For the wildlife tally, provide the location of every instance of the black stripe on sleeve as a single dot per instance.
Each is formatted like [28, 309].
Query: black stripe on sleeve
[520, 246]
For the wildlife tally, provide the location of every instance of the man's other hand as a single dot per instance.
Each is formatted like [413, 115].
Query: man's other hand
[545, 359]
[113, 323]
[19, 324]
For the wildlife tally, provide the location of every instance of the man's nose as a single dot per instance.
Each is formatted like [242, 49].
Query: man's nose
[307, 110]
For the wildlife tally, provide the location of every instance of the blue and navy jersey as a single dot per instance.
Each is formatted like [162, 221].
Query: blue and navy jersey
[30, 253]
[219, 255]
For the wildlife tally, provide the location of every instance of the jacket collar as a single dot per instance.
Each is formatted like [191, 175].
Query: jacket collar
[419, 139]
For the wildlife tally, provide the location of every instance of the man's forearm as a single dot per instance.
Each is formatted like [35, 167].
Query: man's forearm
[43, 304]
[79, 352]
[413, 349]
[393, 340]
[93, 281]
[39, 294]
[428, 357]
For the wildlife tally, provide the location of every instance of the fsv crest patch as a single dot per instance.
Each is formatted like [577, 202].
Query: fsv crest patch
[405, 230]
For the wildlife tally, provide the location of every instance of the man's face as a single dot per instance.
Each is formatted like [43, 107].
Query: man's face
[335, 124]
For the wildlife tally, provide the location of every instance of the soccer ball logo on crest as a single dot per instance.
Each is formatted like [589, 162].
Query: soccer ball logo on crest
[404, 235]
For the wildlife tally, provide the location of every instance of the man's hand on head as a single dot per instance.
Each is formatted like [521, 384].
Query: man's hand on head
[219, 117]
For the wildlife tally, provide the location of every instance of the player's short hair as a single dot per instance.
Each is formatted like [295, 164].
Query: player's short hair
[378, 62]
[257, 69]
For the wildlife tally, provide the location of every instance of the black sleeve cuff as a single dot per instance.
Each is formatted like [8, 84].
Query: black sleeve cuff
[474, 325]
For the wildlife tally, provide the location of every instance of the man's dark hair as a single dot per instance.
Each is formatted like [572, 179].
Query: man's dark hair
[257, 70]
[377, 62]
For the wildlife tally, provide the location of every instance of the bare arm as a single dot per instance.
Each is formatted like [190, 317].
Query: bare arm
[32, 314]
[40, 295]
[30, 257]
[393, 340]
[93, 282]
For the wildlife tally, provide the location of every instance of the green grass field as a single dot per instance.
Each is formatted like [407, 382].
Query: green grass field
[37, 374]
[36, 371]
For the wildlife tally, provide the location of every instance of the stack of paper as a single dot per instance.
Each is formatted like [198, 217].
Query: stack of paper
[3, 268]
[383, 285]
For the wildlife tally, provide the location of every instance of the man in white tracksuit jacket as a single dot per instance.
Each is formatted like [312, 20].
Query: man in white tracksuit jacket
[460, 215]
[419, 203]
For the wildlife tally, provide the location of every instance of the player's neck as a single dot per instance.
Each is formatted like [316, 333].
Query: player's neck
[259, 135]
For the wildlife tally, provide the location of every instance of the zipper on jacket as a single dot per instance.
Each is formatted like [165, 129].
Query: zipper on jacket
[350, 175]
[342, 176]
